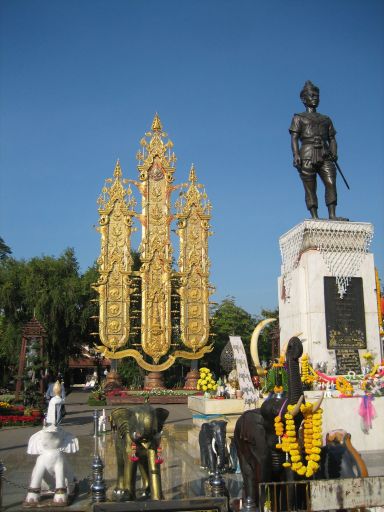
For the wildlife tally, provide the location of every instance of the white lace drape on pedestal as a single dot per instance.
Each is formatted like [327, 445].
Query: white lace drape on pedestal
[290, 247]
[343, 246]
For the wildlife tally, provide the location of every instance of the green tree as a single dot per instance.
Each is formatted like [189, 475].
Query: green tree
[228, 319]
[267, 334]
[5, 251]
[52, 290]
[88, 304]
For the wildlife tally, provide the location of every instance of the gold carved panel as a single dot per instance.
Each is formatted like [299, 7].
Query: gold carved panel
[193, 230]
[114, 285]
[154, 279]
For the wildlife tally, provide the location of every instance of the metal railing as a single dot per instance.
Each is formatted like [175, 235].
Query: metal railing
[284, 496]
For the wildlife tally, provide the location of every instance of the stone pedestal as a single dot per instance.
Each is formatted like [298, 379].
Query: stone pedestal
[112, 380]
[207, 409]
[311, 252]
[343, 413]
[154, 380]
[191, 379]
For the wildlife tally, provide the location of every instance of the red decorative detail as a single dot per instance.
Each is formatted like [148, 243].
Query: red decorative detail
[133, 457]
[324, 377]
[159, 459]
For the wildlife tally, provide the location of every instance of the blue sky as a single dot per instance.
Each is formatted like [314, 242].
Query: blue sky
[80, 82]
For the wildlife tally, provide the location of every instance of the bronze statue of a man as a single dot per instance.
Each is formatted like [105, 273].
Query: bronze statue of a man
[317, 151]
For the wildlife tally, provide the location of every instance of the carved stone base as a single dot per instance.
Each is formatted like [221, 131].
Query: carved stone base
[112, 381]
[191, 379]
[315, 252]
[154, 380]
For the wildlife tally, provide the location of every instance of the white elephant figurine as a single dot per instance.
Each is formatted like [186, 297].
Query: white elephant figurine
[51, 444]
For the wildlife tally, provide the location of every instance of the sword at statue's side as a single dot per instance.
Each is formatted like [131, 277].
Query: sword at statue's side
[341, 173]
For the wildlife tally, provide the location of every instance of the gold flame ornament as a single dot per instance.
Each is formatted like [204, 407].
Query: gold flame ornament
[162, 325]
[116, 209]
[193, 230]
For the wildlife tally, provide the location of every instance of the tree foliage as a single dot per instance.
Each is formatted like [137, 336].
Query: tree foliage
[52, 290]
[5, 251]
[265, 339]
[228, 319]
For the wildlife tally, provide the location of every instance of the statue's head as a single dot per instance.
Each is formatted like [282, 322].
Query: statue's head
[310, 94]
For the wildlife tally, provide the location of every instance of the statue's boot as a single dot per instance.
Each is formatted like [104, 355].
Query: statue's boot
[332, 213]
[313, 212]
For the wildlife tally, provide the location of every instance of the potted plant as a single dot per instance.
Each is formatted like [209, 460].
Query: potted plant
[97, 397]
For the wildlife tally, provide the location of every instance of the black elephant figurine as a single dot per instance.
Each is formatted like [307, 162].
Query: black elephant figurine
[255, 437]
[339, 459]
[212, 441]
[137, 444]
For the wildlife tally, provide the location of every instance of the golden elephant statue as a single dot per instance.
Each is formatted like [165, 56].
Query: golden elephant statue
[138, 434]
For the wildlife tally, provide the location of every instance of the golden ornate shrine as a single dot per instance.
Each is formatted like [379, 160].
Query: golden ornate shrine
[173, 318]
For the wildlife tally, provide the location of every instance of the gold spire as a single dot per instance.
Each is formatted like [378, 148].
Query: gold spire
[117, 172]
[156, 124]
[192, 174]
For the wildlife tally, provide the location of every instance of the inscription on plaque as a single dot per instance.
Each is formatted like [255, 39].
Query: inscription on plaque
[345, 318]
[347, 361]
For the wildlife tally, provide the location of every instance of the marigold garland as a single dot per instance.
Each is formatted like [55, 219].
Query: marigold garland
[307, 374]
[344, 386]
[289, 444]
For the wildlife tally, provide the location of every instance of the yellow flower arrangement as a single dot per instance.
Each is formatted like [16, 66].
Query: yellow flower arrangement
[206, 382]
[344, 386]
[289, 444]
[280, 362]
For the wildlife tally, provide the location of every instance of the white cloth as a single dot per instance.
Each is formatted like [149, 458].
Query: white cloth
[51, 414]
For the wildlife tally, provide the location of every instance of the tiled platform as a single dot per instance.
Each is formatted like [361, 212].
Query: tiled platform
[181, 474]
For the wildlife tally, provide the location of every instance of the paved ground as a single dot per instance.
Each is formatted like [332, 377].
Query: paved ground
[78, 421]
[182, 476]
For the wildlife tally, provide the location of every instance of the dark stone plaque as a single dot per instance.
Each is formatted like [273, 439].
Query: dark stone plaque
[345, 318]
[347, 361]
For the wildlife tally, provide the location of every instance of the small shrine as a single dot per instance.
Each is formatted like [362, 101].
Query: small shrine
[32, 343]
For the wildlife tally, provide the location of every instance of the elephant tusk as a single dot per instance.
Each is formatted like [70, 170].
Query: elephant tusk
[214, 447]
[254, 341]
[296, 409]
[317, 405]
